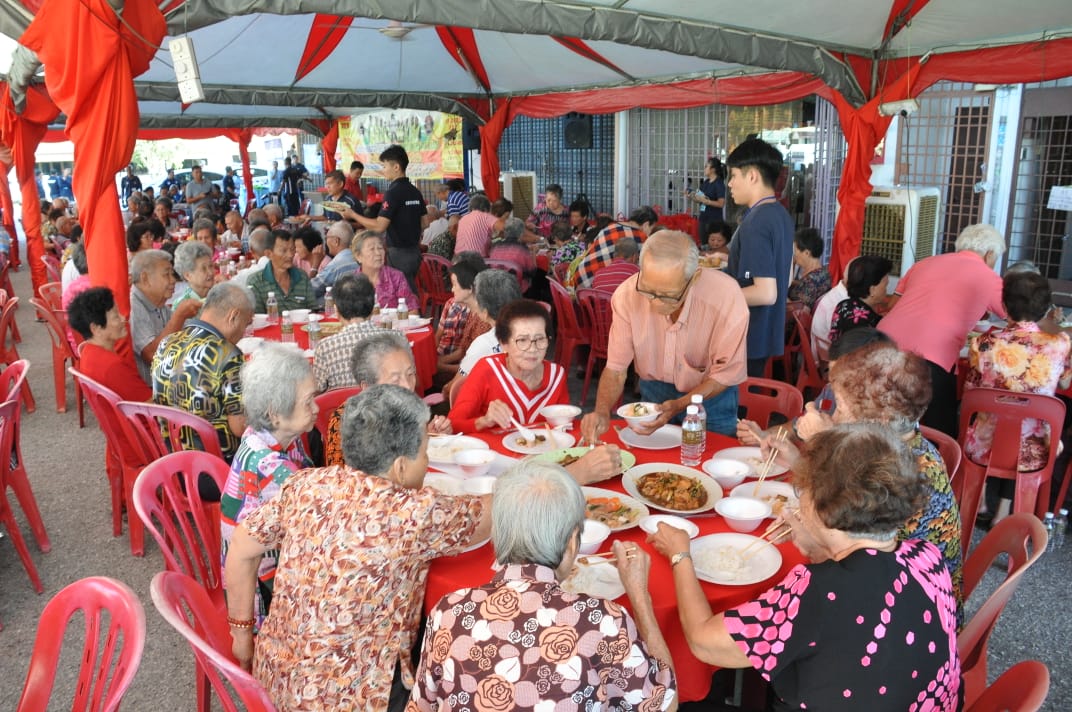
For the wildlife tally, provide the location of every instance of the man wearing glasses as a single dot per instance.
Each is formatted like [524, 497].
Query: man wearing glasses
[684, 329]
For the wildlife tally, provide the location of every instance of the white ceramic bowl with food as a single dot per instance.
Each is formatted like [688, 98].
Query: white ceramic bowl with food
[558, 415]
[743, 514]
[777, 494]
[260, 321]
[593, 535]
[637, 413]
[474, 463]
[479, 485]
[728, 473]
[650, 524]
[299, 316]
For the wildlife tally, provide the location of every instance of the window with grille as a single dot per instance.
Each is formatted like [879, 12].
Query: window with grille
[823, 178]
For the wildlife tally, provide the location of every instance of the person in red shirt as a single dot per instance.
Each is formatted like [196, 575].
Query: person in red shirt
[93, 314]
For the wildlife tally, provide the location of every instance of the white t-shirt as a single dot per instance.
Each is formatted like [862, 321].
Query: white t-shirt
[242, 278]
[823, 314]
[484, 345]
[68, 275]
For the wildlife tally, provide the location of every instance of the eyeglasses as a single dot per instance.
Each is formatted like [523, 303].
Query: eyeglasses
[662, 298]
[526, 342]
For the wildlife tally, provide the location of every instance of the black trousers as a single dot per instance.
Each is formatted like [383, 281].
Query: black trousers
[942, 412]
[406, 260]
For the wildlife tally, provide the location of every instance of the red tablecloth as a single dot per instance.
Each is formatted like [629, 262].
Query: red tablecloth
[694, 677]
[422, 341]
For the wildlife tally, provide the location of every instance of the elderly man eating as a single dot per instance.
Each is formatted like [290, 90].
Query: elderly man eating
[685, 331]
[153, 282]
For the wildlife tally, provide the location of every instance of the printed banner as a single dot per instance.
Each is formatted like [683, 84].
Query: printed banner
[432, 139]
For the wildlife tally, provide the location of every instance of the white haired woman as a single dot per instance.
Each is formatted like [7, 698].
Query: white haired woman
[523, 624]
[279, 397]
[193, 262]
[356, 543]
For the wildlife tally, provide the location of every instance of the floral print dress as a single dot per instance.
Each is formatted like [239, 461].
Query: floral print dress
[1021, 358]
[850, 314]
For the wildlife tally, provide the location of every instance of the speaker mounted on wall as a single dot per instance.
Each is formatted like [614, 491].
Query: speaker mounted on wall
[578, 130]
[470, 135]
[186, 72]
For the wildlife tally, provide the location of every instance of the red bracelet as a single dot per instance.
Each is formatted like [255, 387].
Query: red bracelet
[236, 623]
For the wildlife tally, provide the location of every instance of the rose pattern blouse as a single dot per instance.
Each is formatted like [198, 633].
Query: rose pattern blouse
[1022, 358]
[850, 314]
[523, 643]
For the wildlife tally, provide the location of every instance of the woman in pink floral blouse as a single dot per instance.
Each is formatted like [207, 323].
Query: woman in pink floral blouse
[1023, 358]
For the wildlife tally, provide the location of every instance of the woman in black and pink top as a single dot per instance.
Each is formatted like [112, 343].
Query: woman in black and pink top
[871, 622]
[866, 282]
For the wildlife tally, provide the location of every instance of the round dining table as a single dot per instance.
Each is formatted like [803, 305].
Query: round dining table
[474, 568]
[422, 340]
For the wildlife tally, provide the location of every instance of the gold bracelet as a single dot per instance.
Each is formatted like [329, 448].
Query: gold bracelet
[236, 623]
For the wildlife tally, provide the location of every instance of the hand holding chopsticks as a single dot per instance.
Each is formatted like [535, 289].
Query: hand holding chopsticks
[775, 533]
[769, 462]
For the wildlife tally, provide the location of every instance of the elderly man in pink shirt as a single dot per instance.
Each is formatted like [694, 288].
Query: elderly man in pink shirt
[937, 303]
[476, 228]
[684, 329]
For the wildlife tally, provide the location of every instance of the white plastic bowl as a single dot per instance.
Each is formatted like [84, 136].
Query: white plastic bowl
[743, 514]
[474, 463]
[558, 415]
[626, 411]
[728, 473]
[479, 485]
[650, 524]
[260, 321]
[299, 316]
[593, 535]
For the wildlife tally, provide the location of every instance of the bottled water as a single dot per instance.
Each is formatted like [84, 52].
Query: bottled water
[697, 400]
[271, 306]
[314, 330]
[286, 329]
[1060, 524]
[403, 309]
[1051, 531]
[329, 304]
[693, 437]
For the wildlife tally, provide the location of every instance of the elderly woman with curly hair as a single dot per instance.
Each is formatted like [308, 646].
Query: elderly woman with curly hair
[881, 384]
[534, 625]
[193, 262]
[871, 622]
[355, 545]
[279, 397]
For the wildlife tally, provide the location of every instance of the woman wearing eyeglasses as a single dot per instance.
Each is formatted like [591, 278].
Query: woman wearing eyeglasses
[515, 383]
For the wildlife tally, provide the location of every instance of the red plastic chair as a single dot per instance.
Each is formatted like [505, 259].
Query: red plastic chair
[763, 397]
[8, 353]
[52, 295]
[52, 268]
[188, 609]
[6, 291]
[61, 354]
[569, 336]
[14, 477]
[810, 379]
[328, 402]
[512, 268]
[111, 648]
[948, 448]
[104, 402]
[1021, 688]
[791, 356]
[561, 271]
[598, 314]
[433, 284]
[186, 528]
[1011, 536]
[1009, 409]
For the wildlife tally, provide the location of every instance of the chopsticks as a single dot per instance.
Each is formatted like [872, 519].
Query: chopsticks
[769, 463]
[593, 559]
[774, 534]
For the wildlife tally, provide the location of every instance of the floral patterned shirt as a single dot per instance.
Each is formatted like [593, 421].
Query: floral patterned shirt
[542, 220]
[522, 643]
[354, 551]
[1022, 358]
[569, 252]
[259, 469]
[849, 314]
[810, 287]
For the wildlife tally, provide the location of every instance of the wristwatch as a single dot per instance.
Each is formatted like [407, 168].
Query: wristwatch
[679, 557]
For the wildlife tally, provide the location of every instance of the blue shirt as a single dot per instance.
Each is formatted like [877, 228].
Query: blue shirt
[712, 190]
[342, 263]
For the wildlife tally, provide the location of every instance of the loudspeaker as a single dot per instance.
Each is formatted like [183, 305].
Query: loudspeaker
[186, 73]
[578, 130]
[470, 135]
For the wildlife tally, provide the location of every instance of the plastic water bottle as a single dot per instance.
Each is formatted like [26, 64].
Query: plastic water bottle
[1060, 524]
[1051, 531]
[403, 309]
[314, 330]
[271, 306]
[329, 304]
[286, 329]
[697, 400]
[693, 437]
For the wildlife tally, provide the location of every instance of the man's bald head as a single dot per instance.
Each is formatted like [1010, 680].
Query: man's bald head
[670, 248]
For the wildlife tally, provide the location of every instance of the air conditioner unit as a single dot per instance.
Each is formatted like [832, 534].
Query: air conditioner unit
[901, 225]
[519, 187]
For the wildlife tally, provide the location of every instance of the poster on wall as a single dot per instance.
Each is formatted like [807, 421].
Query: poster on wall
[432, 139]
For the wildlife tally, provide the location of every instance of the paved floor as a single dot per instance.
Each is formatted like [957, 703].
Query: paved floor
[65, 464]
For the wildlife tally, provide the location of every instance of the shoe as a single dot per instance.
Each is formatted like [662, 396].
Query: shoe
[984, 520]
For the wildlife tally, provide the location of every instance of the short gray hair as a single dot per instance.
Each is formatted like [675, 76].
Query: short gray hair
[672, 247]
[513, 229]
[226, 296]
[536, 509]
[369, 352]
[361, 237]
[480, 203]
[626, 247]
[204, 224]
[188, 253]
[144, 261]
[980, 239]
[270, 384]
[495, 288]
[258, 240]
[381, 424]
[273, 209]
[342, 230]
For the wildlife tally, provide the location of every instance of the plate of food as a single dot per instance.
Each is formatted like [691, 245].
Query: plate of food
[618, 511]
[441, 448]
[666, 437]
[570, 455]
[595, 579]
[751, 456]
[717, 559]
[546, 440]
[411, 324]
[778, 495]
[443, 483]
[327, 328]
[672, 488]
[335, 206]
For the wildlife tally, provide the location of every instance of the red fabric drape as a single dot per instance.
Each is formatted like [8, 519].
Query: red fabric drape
[91, 59]
[22, 133]
[325, 35]
[328, 145]
[7, 206]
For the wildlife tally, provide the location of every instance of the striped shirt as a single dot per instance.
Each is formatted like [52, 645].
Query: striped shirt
[490, 380]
